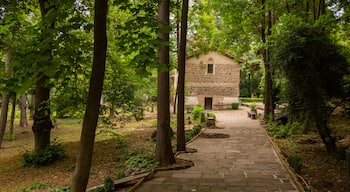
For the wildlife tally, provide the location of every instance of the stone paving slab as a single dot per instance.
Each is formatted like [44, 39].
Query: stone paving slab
[245, 161]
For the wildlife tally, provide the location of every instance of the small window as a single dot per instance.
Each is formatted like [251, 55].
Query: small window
[210, 68]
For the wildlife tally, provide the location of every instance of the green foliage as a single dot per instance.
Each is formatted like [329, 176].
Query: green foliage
[142, 161]
[63, 189]
[248, 100]
[284, 131]
[50, 154]
[198, 114]
[121, 175]
[234, 105]
[108, 186]
[36, 185]
[212, 115]
[296, 162]
[189, 134]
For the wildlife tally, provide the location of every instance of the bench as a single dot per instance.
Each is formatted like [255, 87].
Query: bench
[252, 114]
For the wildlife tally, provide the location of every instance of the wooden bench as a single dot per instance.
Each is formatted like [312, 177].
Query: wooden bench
[252, 114]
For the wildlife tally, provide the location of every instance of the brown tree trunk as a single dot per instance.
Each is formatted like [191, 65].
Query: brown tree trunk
[23, 122]
[181, 141]
[87, 139]
[4, 103]
[111, 112]
[164, 153]
[42, 122]
[32, 107]
[306, 125]
[13, 111]
[268, 107]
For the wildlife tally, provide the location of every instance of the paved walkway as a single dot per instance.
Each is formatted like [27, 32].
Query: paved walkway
[246, 161]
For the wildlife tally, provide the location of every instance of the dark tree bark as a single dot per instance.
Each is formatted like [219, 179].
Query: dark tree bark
[23, 122]
[4, 103]
[32, 106]
[87, 139]
[42, 122]
[13, 111]
[164, 153]
[181, 142]
[268, 106]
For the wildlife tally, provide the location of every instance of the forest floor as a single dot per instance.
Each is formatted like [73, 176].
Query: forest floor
[320, 171]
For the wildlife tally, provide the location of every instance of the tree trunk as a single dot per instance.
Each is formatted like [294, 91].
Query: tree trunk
[326, 136]
[164, 153]
[111, 112]
[181, 141]
[12, 120]
[42, 122]
[87, 139]
[306, 125]
[268, 107]
[4, 103]
[32, 107]
[23, 122]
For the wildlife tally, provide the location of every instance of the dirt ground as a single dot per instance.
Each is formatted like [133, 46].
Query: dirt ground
[15, 177]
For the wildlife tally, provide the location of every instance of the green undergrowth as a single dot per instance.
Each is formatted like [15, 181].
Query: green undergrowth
[50, 154]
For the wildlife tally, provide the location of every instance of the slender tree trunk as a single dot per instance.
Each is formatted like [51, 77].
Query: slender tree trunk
[4, 103]
[23, 122]
[111, 112]
[164, 153]
[181, 141]
[32, 106]
[87, 139]
[268, 107]
[13, 111]
[326, 136]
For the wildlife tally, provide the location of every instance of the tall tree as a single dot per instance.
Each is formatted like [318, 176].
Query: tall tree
[87, 139]
[315, 69]
[4, 103]
[181, 142]
[42, 121]
[164, 153]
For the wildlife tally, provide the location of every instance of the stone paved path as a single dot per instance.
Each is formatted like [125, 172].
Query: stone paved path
[246, 161]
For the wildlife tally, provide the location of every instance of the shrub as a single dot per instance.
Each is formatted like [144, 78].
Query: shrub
[191, 133]
[50, 154]
[197, 113]
[142, 161]
[284, 131]
[234, 105]
[108, 186]
[212, 115]
[295, 162]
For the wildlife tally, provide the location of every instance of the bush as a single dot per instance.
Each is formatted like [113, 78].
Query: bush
[142, 161]
[50, 154]
[108, 186]
[234, 105]
[212, 115]
[296, 163]
[191, 133]
[284, 131]
[197, 113]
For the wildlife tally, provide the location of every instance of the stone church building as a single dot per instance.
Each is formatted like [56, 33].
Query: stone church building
[212, 81]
